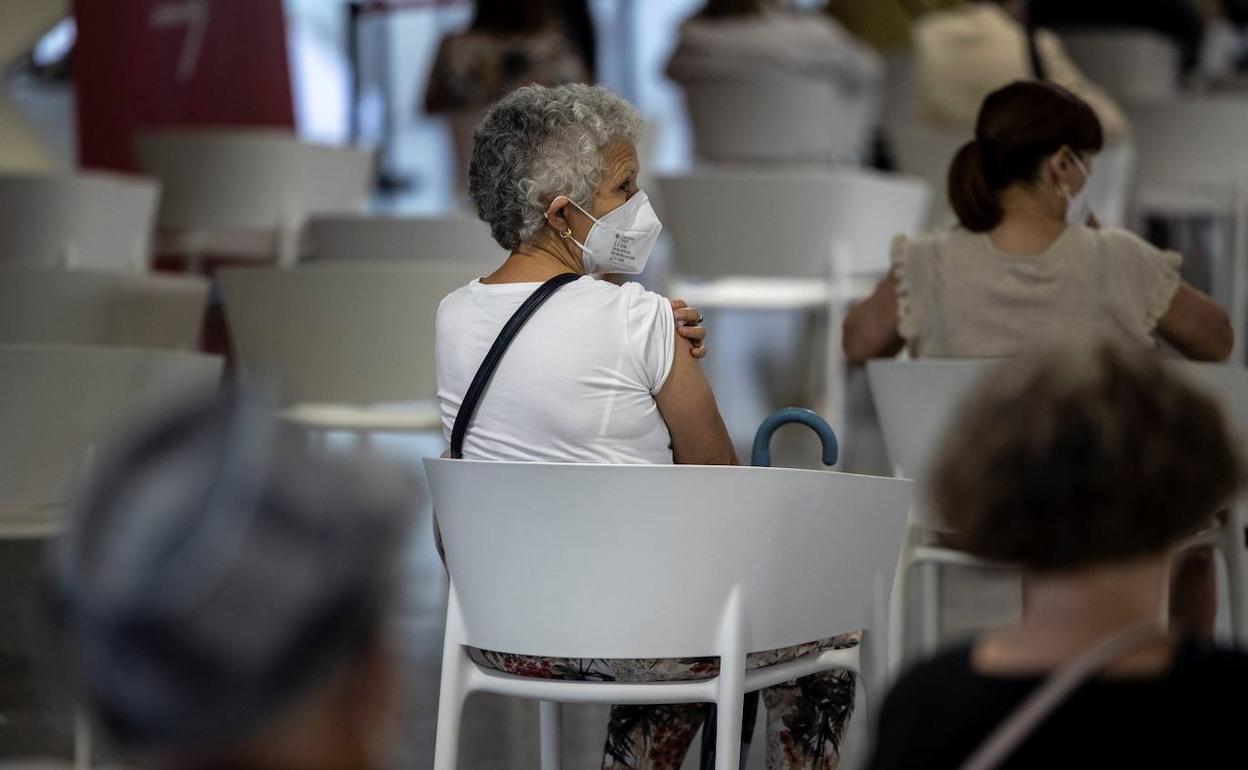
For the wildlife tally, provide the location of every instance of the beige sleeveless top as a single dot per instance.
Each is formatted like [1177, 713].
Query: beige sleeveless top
[960, 297]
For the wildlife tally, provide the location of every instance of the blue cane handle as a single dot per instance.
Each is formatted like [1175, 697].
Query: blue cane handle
[762, 439]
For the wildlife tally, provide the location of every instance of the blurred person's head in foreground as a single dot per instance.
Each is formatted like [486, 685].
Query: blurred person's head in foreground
[1083, 459]
[220, 594]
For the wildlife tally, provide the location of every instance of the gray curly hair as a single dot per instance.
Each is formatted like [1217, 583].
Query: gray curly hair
[537, 143]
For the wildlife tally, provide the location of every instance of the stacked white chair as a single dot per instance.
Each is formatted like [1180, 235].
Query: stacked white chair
[87, 220]
[343, 347]
[591, 561]
[98, 308]
[1196, 165]
[57, 402]
[361, 238]
[248, 193]
[780, 120]
[1134, 66]
[916, 400]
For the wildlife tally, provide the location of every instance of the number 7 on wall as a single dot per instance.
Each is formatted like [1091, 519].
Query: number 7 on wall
[192, 14]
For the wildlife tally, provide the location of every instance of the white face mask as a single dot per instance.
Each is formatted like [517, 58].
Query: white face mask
[1079, 205]
[622, 240]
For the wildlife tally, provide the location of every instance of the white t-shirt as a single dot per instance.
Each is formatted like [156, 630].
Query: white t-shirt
[578, 382]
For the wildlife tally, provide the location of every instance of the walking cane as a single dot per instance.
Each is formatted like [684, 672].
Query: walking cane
[761, 457]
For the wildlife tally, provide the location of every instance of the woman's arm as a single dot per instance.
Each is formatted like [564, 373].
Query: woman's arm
[871, 330]
[1196, 326]
[688, 406]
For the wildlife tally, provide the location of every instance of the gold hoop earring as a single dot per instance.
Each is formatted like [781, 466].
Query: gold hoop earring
[566, 234]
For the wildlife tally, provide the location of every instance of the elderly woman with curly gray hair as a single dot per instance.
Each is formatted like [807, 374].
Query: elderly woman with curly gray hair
[598, 373]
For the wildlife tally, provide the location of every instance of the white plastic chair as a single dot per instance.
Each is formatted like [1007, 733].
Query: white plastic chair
[340, 347]
[780, 120]
[1194, 162]
[92, 220]
[90, 308]
[360, 238]
[915, 401]
[1133, 65]
[58, 401]
[593, 561]
[777, 239]
[748, 239]
[225, 187]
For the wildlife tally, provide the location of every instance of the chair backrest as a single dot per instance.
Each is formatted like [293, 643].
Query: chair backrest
[58, 401]
[1132, 65]
[926, 152]
[785, 224]
[728, 222]
[1194, 141]
[915, 401]
[1113, 180]
[44, 306]
[95, 221]
[870, 208]
[595, 561]
[786, 120]
[250, 179]
[363, 238]
[352, 334]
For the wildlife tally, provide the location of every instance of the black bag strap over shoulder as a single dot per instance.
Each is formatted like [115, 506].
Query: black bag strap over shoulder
[482, 378]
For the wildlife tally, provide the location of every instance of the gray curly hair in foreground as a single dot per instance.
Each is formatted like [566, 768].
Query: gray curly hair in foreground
[537, 143]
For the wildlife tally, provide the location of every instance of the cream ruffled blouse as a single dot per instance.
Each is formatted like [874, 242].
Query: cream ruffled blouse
[960, 297]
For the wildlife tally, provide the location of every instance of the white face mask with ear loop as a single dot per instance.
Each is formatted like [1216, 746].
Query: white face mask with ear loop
[1079, 205]
[620, 242]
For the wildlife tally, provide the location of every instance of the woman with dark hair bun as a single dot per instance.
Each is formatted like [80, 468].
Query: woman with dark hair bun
[1028, 262]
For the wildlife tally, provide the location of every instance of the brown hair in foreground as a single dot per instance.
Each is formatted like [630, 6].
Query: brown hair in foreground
[1083, 456]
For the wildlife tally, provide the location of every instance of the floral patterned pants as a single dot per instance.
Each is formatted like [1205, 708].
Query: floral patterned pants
[806, 718]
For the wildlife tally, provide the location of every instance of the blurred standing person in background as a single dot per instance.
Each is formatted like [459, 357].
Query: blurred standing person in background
[509, 44]
[221, 594]
[964, 54]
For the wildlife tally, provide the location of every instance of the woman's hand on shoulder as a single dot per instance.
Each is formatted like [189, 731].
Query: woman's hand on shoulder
[689, 325]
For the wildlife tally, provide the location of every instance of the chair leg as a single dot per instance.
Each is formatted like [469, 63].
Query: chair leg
[82, 741]
[929, 596]
[899, 605]
[1232, 548]
[451, 697]
[551, 718]
[730, 708]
